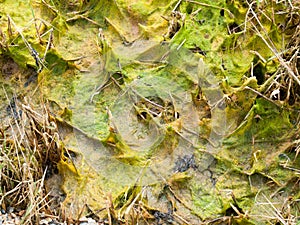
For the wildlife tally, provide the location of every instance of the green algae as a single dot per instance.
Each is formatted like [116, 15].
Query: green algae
[115, 132]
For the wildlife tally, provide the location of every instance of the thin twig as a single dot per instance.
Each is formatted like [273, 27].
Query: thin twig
[147, 100]
[49, 44]
[177, 5]
[182, 43]
[263, 96]
[211, 6]
[52, 8]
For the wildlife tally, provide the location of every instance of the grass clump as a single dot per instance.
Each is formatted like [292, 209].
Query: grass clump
[28, 154]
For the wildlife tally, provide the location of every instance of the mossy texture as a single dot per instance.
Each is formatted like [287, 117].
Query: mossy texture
[160, 104]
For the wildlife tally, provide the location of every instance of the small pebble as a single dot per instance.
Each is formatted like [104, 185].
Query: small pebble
[88, 221]
[45, 221]
[10, 209]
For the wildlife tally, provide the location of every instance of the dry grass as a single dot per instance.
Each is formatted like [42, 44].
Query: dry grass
[284, 85]
[28, 155]
[276, 212]
[281, 88]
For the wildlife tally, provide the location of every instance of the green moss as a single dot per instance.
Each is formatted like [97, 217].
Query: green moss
[22, 56]
[56, 63]
[273, 122]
